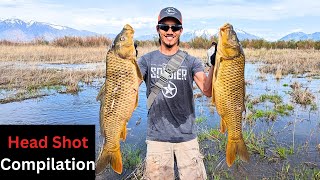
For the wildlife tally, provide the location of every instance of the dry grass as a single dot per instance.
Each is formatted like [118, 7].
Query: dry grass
[279, 62]
[295, 61]
[301, 95]
[26, 83]
[52, 54]
[37, 78]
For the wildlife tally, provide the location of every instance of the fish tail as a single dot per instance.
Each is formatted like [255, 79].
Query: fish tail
[234, 148]
[109, 157]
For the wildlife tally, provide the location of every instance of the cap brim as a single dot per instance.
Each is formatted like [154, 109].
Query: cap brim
[170, 17]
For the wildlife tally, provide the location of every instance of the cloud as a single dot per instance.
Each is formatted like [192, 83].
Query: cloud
[138, 22]
[101, 16]
[263, 10]
[296, 30]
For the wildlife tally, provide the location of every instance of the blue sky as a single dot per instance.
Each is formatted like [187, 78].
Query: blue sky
[270, 20]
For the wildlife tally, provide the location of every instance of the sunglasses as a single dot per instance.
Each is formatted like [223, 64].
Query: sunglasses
[174, 28]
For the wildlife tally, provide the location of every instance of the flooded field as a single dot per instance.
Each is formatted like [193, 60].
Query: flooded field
[282, 131]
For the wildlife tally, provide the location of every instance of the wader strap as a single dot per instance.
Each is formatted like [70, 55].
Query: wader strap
[172, 66]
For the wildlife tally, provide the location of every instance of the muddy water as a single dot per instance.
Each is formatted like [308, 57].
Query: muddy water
[83, 108]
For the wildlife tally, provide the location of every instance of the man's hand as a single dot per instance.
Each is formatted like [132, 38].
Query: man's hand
[211, 54]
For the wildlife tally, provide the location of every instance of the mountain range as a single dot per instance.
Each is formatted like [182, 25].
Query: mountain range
[19, 30]
[296, 36]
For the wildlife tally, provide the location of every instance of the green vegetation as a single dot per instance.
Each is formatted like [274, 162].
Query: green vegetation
[131, 157]
[283, 152]
[200, 119]
[279, 109]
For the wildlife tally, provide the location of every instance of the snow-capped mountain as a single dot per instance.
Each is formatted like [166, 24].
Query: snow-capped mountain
[207, 33]
[296, 36]
[18, 30]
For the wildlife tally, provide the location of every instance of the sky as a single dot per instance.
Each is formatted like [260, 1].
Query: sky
[270, 20]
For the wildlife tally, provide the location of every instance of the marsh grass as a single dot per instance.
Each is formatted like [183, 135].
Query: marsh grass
[200, 119]
[302, 95]
[263, 145]
[256, 144]
[131, 157]
[29, 83]
[278, 108]
[52, 54]
[296, 61]
[278, 73]
[283, 152]
[264, 148]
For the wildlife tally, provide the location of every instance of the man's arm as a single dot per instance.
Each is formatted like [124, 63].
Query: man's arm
[204, 82]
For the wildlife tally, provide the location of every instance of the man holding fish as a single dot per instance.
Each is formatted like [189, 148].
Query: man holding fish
[171, 117]
[169, 74]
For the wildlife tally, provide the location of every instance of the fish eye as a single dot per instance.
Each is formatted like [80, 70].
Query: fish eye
[122, 38]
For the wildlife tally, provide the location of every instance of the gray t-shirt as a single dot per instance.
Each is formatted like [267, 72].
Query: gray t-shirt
[172, 114]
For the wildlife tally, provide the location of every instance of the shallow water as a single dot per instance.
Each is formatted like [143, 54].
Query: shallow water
[82, 108]
[56, 66]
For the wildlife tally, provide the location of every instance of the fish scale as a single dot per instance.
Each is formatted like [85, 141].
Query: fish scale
[228, 91]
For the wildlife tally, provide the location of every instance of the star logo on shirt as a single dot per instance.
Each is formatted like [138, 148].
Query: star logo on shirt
[170, 90]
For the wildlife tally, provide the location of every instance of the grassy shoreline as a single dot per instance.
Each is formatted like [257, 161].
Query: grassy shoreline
[277, 157]
[279, 62]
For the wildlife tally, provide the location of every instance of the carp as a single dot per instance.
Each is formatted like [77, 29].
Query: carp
[228, 91]
[118, 98]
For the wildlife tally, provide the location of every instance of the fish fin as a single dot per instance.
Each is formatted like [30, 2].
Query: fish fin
[234, 148]
[244, 95]
[213, 100]
[102, 112]
[140, 78]
[137, 69]
[101, 92]
[231, 153]
[123, 134]
[106, 157]
[242, 151]
[137, 100]
[223, 126]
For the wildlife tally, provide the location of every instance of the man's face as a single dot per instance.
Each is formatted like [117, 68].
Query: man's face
[169, 38]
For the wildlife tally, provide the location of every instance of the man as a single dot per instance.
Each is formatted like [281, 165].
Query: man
[171, 117]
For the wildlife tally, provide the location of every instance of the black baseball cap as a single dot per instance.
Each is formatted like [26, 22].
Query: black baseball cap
[170, 12]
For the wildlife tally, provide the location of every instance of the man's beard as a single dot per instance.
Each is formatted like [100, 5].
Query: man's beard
[168, 45]
[160, 40]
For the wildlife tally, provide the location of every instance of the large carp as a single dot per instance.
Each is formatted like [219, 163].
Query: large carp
[228, 91]
[118, 97]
